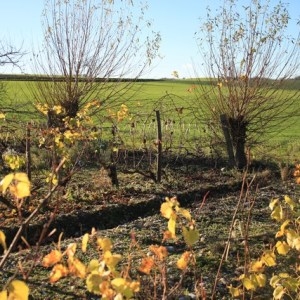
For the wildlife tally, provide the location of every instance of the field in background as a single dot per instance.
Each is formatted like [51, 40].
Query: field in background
[181, 131]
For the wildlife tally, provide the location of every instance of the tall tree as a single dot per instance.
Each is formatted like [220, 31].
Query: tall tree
[250, 59]
[87, 44]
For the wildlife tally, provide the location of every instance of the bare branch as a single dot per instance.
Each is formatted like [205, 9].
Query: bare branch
[10, 55]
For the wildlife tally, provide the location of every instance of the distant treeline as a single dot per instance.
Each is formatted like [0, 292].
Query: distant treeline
[30, 77]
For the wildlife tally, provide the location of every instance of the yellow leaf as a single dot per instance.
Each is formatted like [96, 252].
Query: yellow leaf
[146, 265]
[273, 203]
[44, 109]
[2, 115]
[52, 178]
[277, 213]
[85, 240]
[106, 291]
[21, 177]
[3, 240]
[184, 212]
[52, 258]
[284, 275]
[68, 134]
[135, 286]
[118, 283]
[3, 295]
[248, 282]
[279, 292]
[57, 109]
[160, 252]
[166, 209]
[257, 266]
[104, 243]
[282, 228]
[235, 292]
[93, 282]
[6, 181]
[269, 258]
[191, 236]
[124, 287]
[184, 260]
[20, 190]
[18, 290]
[172, 225]
[70, 251]
[18, 183]
[274, 281]
[282, 247]
[167, 235]
[93, 266]
[290, 202]
[58, 271]
[111, 260]
[261, 279]
[76, 267]
[297, 243]
[291, 237]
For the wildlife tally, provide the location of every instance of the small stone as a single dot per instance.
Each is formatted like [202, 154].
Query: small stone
[171, 249]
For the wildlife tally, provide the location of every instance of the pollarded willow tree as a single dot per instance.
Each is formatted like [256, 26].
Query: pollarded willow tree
[250, 60]
[90, 47]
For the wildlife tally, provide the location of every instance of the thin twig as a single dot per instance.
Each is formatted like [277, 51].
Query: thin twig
[27, 221]
[226, 249]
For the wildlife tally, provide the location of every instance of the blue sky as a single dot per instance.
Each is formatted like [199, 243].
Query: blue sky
[176, 20]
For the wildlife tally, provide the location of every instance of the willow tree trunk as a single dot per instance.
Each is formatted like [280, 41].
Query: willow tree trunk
[228, 140]
[238, 130]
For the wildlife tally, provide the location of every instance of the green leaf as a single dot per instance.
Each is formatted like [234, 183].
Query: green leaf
[191, 236]
[292, 284]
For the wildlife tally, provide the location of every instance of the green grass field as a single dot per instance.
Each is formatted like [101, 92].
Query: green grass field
[180, 128]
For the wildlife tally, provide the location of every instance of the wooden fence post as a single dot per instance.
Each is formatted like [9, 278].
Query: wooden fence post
[159, 147]
[28, 150]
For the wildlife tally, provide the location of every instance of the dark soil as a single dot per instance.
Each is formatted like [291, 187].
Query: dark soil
[90, 201]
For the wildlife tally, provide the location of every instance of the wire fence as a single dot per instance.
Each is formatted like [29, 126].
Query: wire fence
[136, 141]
